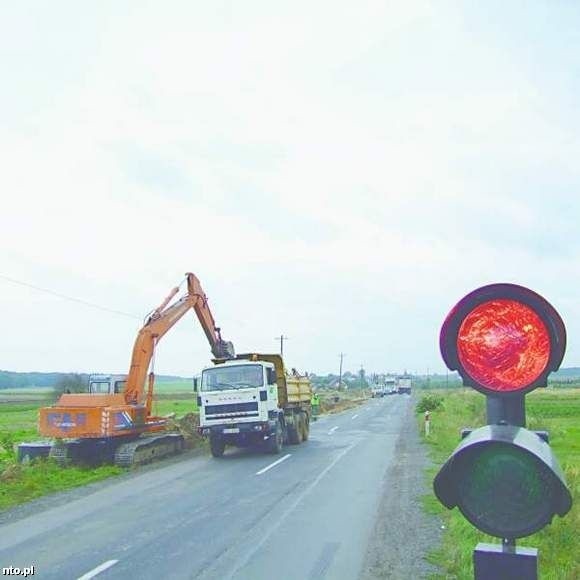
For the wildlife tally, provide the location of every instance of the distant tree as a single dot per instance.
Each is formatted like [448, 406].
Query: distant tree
[71, 383]
[362, 382]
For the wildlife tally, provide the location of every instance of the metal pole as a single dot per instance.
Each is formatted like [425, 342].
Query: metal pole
[503, 410]
[281, 338]
[340, 371]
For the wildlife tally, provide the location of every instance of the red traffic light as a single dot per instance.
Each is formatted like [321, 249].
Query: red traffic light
[503, 339]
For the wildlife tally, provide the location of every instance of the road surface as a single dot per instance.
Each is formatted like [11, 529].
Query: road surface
[315, 511]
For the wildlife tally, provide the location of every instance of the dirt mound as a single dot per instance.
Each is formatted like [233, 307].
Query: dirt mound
[336, 404]
[187, 427]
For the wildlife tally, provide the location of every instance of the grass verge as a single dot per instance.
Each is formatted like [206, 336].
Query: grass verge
[553, 410]
[21, 483]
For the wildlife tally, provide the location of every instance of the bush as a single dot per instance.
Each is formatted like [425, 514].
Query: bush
[71, 383]
[430, 402]
[7, 442]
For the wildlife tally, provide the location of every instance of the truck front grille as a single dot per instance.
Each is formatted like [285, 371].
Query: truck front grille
[237, 409]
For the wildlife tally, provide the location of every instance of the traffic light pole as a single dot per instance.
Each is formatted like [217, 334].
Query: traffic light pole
[502, 410]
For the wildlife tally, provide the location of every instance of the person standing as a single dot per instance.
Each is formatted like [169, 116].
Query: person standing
[315, 403]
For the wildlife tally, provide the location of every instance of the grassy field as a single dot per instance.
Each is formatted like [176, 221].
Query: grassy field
[185, 386]
[18, 423]
[555, 410]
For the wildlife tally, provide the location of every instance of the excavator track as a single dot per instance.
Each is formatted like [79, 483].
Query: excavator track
[60, 453]
[148, 449]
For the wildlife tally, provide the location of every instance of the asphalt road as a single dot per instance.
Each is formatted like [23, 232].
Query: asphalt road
[309, 513]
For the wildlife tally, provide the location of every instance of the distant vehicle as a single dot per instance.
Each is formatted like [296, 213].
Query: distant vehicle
[404, 385]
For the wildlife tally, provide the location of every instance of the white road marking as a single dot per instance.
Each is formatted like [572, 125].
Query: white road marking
[354, 416]
[95, 571]
[333, 430]
[266, 536]
[268, 467]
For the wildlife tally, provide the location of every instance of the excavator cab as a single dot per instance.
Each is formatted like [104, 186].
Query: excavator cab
[107, 384]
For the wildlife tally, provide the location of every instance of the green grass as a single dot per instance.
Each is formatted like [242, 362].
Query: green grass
[185, 386]
[554, 410]
[21, 483]
[180, 406]
[43, 391]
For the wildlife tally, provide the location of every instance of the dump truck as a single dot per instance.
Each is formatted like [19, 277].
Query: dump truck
[404, 384]
[251, 400]
[113, 422]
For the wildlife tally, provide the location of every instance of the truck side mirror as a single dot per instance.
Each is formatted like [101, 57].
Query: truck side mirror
[195, 384]
[271, 375]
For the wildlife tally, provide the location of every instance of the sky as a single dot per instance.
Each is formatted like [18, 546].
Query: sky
[339, 172]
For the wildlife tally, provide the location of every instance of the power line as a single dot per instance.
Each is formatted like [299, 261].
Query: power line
[69, 298]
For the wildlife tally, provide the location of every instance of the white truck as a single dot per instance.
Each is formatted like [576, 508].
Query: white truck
[250, 400]
[404, 385]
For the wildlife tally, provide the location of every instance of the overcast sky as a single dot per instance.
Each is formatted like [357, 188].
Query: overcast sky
[340, 172]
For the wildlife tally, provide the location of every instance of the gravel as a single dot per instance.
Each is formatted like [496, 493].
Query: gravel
[404, 534]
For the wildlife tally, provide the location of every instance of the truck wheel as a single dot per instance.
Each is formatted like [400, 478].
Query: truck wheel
[217, 446]
[305, 426]
[295, 431]
[276, 440]
[299, 428]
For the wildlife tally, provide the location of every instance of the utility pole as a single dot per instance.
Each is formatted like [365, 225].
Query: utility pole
[281, 338]
[342, 355]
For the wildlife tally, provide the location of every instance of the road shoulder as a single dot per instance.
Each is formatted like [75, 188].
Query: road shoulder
[404, 534]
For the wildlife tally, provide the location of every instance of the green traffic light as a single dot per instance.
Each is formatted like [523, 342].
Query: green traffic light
[505, 480]
[505, 488]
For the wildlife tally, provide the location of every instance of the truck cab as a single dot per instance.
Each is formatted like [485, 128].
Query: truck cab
[237, 400]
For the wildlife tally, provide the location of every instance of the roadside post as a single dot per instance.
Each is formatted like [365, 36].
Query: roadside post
[504, 340]
[427, 423]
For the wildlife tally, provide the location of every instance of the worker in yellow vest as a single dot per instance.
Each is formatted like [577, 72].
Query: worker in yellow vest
[315, 403]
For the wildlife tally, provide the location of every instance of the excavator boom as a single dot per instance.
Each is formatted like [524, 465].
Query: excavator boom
[159, 322]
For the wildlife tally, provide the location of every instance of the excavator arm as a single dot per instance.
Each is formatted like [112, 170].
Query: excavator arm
[161, 321]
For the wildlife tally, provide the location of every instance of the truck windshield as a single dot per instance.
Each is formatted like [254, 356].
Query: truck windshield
[232, 377]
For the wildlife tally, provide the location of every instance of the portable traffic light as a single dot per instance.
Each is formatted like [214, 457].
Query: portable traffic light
[504, 340]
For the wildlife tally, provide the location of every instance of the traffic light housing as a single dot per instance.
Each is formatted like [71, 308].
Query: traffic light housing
[504, 340]
[505, 480]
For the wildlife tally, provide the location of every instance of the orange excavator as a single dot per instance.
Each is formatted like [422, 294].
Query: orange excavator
[113, 421]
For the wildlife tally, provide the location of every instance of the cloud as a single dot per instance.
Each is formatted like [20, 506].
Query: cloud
[343, 177]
